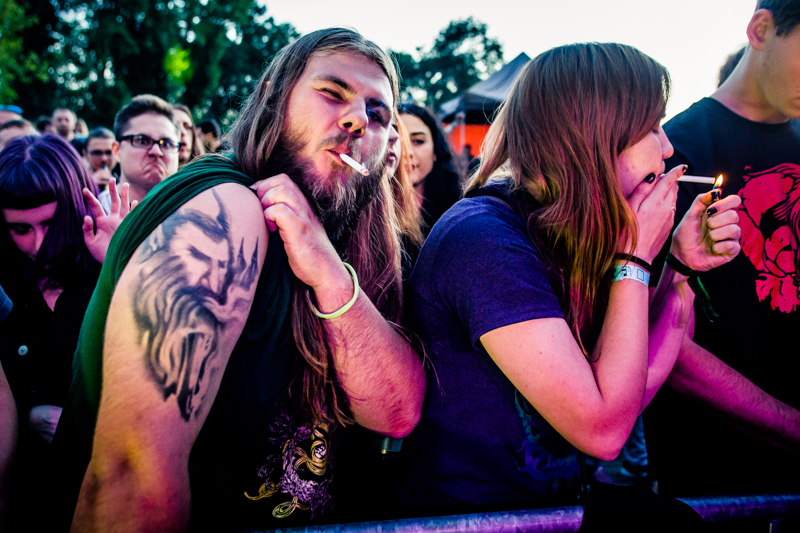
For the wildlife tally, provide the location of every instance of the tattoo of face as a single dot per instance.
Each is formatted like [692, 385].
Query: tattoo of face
[190, 289]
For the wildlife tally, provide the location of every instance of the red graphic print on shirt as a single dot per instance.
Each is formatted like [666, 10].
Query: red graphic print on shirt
[770, 220]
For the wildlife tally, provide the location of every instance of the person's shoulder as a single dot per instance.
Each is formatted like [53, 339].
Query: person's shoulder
[479, 214]
[689, 117]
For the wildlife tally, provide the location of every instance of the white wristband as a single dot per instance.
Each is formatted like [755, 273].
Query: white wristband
[632, 271]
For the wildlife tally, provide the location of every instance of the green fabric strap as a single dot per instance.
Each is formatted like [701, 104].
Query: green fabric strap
[161, 202]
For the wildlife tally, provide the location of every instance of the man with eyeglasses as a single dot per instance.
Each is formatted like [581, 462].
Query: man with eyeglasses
[148, 144]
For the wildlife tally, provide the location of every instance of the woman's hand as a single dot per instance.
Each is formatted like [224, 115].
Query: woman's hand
[97, 241]
[708, 235]
[653, 204]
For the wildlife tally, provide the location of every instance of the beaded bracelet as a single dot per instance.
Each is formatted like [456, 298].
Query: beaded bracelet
[342, 310]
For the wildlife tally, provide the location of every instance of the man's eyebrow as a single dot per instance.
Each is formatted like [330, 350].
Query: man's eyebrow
[338, 81]
[372, 102]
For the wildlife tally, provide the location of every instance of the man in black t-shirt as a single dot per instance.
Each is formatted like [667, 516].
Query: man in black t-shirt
[744, 364]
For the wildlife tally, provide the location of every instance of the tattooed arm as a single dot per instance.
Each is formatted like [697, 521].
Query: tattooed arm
[175, 316]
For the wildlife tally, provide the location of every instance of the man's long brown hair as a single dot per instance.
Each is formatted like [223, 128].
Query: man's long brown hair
[373, 249]
[570, 113]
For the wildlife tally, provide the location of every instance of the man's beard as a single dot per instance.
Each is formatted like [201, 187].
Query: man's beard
[337, 203]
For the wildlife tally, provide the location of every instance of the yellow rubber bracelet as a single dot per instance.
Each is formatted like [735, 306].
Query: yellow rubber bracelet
[345, 307]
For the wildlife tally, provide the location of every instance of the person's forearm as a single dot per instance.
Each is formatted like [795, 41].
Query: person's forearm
[378, 369]
[670, 306]
[620, 358]
[702, 376]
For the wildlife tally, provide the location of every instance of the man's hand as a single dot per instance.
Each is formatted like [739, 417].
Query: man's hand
[311, 255]
[708, 235]
[97, 241]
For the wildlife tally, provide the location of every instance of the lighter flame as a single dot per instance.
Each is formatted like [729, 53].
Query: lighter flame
[718, 182]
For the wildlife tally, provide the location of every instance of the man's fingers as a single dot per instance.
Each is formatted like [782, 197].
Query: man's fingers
[280, 216]
[94, 203]
[262, 186]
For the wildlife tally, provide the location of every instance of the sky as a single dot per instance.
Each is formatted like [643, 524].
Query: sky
[692, 38]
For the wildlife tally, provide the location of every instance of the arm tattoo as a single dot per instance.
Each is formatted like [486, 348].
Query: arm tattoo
[190, 291]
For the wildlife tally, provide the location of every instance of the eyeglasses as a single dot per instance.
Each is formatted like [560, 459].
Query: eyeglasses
[107, 153]
[140, 140]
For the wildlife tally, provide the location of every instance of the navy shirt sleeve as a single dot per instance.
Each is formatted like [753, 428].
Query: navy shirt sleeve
[480, 265]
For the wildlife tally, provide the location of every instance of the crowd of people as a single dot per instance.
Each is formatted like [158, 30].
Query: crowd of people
[317, 316]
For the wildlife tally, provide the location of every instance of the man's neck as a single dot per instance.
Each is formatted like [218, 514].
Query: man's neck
[134, 192]
[742, 94]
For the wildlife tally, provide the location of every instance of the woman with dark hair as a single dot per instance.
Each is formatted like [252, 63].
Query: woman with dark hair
[436, 176]
[51, 259]
[531, 294]
[191, 145]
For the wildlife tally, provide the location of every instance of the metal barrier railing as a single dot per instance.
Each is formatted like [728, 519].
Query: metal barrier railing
[764, 507]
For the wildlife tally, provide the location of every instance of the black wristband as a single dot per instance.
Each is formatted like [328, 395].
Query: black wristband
[679, 267]
[633, 259]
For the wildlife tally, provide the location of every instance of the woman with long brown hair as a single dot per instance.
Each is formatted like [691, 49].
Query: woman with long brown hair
[532, 293]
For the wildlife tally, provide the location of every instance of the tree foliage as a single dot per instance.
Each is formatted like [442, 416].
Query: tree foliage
[460, 56]
[93, 56]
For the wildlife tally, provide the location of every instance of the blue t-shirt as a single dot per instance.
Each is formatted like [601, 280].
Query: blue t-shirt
[480, 442]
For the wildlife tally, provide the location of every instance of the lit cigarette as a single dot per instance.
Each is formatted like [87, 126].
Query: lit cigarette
[355, 164]
[686, 178]
[716, 192]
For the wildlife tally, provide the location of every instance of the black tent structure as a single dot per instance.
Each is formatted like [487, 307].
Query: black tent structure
[469, 114]
[480, 101]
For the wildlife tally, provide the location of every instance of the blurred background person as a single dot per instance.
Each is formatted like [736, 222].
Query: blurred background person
[191, 145]
[211, 134]
[45, 125]
[437, 177]
[10, 112]
[13, 129]
[81, 129]
[730, 64]
[51, 260]
[101, 153]
[64, 121]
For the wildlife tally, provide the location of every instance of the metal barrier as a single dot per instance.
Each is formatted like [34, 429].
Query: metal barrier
[567, 519]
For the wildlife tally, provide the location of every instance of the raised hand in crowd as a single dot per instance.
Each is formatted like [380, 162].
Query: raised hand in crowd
[97, 233]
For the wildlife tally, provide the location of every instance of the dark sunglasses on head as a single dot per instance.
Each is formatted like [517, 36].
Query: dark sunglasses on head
[145, 142]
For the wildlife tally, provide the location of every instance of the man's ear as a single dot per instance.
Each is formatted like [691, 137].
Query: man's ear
[115, 148]
[760, 28]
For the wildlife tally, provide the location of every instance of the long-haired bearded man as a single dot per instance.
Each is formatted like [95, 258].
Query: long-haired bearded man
[232, 333]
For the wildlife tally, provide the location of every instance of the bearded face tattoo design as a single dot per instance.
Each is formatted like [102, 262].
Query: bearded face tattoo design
[770, 221]
[191, 287]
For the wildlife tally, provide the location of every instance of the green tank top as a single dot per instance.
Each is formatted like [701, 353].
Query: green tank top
[251, 427]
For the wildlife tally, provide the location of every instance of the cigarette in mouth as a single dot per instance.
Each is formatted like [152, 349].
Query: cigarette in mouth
[686, 178]
[355, 164]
